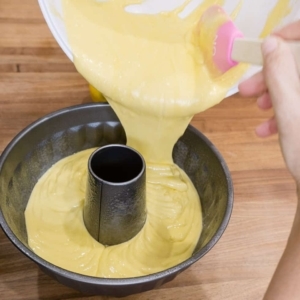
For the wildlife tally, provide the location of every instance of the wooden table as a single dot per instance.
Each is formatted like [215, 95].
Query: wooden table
[37, 78]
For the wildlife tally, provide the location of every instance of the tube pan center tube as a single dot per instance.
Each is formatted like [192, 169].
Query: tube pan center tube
[115, 204]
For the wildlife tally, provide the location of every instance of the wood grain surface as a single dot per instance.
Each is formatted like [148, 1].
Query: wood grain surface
[36, 78]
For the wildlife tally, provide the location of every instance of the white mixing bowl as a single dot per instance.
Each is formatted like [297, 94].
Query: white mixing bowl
[251, 18]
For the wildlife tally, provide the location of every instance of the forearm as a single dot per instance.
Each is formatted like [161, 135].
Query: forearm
[285, 283]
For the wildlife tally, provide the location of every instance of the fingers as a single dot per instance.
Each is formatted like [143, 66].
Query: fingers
[253, 86]
[283, 83]
[264, 101]
[278, 86]
[290, 32]
[267, 128]
[280, 74]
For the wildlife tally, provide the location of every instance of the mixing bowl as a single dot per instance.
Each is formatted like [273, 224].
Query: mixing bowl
[250, 17]
[62, 133]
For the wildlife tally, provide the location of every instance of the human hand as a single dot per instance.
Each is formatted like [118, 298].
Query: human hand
[278, 86]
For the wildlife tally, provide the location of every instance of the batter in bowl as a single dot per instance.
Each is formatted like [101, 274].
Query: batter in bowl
[152, 71]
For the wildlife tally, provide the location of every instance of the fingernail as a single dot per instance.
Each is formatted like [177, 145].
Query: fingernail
[269, 45]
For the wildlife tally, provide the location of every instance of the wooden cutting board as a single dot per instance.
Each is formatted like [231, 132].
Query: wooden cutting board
[37, 78]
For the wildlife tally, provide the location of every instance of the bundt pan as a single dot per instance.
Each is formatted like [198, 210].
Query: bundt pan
[33, 151]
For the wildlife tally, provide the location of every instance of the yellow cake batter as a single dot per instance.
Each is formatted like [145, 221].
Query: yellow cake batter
[152, 71]
[57, 233]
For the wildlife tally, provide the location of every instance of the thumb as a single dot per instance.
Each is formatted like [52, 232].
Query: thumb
[280, 72]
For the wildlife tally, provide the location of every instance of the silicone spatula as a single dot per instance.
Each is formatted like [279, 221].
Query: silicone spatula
[229, 46]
